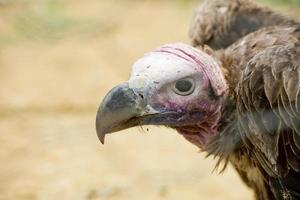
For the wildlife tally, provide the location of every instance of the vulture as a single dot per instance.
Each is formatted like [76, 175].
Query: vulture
[240, 104]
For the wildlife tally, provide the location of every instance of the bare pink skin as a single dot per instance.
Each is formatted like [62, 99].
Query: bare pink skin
[156, 73]
[202, 133]
[202, 60]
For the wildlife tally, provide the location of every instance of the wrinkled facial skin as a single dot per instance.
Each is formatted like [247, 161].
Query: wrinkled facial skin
[171, 86]
[155, 76]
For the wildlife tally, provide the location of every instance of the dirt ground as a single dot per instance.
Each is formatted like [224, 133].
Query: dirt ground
[57, 61]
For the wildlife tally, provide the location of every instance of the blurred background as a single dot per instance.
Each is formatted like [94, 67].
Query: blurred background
[58, 58]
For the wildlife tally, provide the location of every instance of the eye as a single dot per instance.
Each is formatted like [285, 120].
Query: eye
[184, 87]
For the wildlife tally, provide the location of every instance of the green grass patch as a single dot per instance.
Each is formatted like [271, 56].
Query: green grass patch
[47, 20]
[282, 1]
[44, 19]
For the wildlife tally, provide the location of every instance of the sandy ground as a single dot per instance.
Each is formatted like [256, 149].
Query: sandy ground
[52, 80]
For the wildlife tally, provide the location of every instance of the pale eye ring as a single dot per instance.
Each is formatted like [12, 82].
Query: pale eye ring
[184, 86]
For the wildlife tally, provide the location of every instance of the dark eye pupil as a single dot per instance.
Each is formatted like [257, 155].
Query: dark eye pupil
[183, 85]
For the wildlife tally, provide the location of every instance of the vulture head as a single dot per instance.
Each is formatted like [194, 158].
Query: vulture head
[176, 86]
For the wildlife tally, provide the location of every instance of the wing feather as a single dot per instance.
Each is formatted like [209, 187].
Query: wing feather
[268, 102]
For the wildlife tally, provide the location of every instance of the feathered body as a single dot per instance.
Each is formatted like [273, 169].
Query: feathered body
[263, 76]
[259, 132]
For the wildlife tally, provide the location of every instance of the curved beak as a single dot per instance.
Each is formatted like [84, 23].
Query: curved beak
[120, 109]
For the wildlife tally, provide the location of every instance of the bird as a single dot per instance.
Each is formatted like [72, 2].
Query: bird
[220, 23]
[240, 105]
[236, 95]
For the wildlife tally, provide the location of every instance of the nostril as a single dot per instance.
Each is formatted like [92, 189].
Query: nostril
[142, 96]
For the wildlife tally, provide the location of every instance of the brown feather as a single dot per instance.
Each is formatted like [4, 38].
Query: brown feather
[262, 70]
[220, 23]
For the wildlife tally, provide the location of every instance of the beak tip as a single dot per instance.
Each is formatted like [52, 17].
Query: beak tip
[102, 138]
[99, 130]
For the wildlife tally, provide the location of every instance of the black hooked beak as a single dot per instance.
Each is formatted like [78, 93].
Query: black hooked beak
[120, 109]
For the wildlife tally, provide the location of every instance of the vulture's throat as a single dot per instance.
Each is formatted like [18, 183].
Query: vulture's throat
[203, 132]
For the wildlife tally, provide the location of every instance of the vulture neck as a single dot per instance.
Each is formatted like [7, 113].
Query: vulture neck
[227, 141]
[204, 131]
